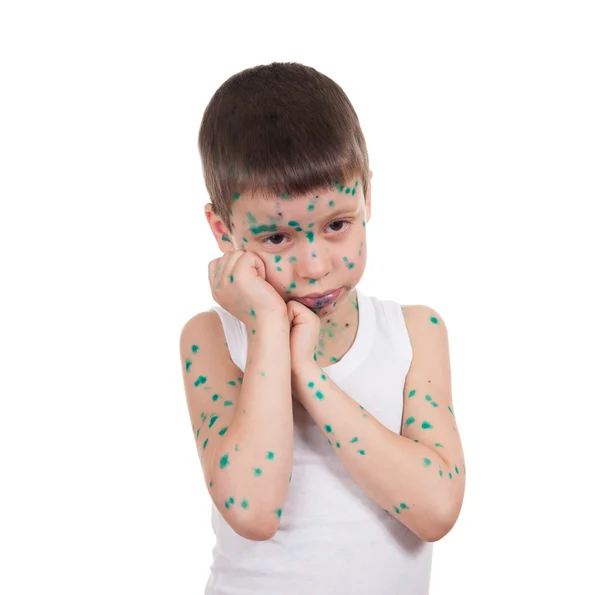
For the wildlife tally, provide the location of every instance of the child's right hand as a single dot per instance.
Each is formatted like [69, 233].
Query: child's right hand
[238, 284]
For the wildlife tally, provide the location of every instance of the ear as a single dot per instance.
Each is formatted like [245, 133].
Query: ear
[368, 197]
[224, 238]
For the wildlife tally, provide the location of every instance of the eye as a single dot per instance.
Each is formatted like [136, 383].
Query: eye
[266, 241]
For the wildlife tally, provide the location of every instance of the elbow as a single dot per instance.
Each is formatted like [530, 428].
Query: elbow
[257, 530]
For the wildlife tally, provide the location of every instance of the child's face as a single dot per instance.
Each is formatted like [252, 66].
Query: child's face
[311, 244]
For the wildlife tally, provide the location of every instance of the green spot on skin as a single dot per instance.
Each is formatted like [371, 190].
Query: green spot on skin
[258, 472]
[236, 196]
[232, 382]
[278, 512]
[439, 445]
[270, 455]
[293, 223]
[328, 428]
[449, 409]
[323, 377]
[450, 475]
[310, 235]
[224, 461]
[245, 240]
[279, 269]
[434, 320]
[337, 444]
[355, 439]
[227, 403]
[231, 501]
[334, 359]
[200, 380]
[277, 258]
[426, 462]
[254, 331]
[230, 278]
[441, 473]
[319, 395]
[311, 384]
[210, 485]
[188, 363]
[205, 443]
[213, 419]
[225, 239]
[456, 469]
[331, 203]
[409, 421]
[415, 440]
[222, 431]
[360, 452]
[253, 313]
[240, 380]
[426, 425]
[236, 448]
[251, 219]
[404, 506]
[215, 397]
[312, 281]
[285, 195]
[292, 259]
[244, 504]
[412, 393]
[434, 404]
[427, 397]
[195, 348]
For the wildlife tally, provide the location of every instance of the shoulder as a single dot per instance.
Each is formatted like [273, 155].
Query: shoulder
[421, 321]
[206, 325]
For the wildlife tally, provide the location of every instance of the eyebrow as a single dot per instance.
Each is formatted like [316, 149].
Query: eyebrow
[342, 211]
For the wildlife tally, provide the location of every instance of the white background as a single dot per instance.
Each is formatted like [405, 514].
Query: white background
[483, 128]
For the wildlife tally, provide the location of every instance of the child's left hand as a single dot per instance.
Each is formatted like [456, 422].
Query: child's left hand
[304, 334]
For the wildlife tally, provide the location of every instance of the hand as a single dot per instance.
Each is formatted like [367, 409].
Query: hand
[304, 334]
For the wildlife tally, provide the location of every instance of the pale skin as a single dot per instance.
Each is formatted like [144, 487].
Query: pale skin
[401, 473]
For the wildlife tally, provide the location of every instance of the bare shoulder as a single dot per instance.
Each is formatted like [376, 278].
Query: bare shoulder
[418, 319]
[206, 325]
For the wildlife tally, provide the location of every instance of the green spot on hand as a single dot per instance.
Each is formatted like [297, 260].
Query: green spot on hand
[319, 395]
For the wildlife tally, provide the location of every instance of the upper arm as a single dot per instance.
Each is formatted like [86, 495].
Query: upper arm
[212, 385]
[428, 416]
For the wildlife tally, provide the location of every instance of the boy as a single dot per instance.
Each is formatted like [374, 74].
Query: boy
[352, 391]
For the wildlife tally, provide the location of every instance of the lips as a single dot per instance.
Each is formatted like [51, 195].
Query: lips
[318, 301]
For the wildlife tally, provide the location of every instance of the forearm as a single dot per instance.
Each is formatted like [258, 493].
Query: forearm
[255, 458]
[394, 471]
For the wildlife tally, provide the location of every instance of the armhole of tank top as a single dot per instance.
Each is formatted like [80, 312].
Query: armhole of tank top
[400, 337]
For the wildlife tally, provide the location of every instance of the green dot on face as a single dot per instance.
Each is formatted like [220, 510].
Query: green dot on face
[450, 475]
[427, 397]
[426, 462]
[361, 451]
[270, 455]
[355, 439]
[310, 235]
[331, 203]
[277, 258]
[456, 469]
[311, 384]
[244, 503]
[224, 461]
[230, 278]
[257, 472]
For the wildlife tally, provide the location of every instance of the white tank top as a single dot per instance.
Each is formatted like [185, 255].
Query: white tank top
[333, 539]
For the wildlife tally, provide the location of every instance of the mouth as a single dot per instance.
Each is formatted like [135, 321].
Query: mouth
[320, 300]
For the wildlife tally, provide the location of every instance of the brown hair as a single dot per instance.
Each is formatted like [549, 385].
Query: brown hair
[282, 128]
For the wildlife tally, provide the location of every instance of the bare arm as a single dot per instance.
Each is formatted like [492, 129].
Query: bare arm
[252, 462]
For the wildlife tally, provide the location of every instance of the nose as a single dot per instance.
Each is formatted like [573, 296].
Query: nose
[312, 262]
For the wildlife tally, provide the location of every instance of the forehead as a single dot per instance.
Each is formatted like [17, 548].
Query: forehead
[312, 206]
